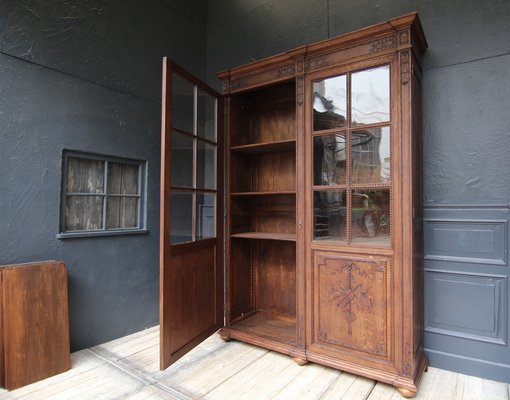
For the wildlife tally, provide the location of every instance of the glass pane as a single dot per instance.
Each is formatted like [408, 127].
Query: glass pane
[181, 217]
[122, 178]
[329, 103]
[371, 216]
[182, 103]
[371, 162]
[84, 213]
[329, 158]
[85, 176]
[206, 120]
[122, 212]
[370, 96]
[181, 160]
[206, 215]
[329, 216]
[206, 165]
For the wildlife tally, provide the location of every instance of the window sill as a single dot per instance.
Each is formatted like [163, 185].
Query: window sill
[90, 234]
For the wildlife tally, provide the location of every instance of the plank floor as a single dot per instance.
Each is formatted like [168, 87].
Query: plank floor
[128, 368]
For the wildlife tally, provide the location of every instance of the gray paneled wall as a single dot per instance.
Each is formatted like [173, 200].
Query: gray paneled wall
[466, 289]
[466, 135]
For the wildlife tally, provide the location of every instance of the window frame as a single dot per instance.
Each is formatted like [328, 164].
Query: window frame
[104, 231]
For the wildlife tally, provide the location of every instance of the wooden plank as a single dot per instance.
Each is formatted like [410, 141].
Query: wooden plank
[291, 237]
[131, 344]
[153, 392]
[350, 387]
[200, 377]
[310, 384]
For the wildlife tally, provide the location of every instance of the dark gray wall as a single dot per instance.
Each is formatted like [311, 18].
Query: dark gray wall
[466, 132]
[86, 75]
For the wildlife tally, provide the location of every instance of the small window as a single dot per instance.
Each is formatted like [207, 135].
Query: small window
[101, 195]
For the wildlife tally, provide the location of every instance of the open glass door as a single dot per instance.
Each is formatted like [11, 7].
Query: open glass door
[191, 238]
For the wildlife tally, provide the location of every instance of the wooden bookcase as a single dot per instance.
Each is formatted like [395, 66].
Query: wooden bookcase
[324, 203]
[323, 206]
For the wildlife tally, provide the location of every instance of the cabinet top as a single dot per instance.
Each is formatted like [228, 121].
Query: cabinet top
[392, 35]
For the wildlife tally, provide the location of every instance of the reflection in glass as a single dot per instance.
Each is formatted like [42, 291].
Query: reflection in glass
[181, 217]
[206, 120]
[329, 219]
[371, 161]
[206, 215]
[371, 216]
[329, 159]
[181, 159]
[370, 96]
[206, 165]
[182, 103]
[329, 103]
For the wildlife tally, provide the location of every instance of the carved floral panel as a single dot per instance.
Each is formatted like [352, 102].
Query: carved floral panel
[351, 298]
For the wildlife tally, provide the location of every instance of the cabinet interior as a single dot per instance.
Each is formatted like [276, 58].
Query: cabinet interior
[262, 221]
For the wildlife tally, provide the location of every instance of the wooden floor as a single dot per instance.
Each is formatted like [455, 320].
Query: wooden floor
[127, 368]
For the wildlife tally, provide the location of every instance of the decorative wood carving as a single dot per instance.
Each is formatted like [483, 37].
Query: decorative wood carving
[386, 43]
[317, 62]
[237, 84]
[344, 297]
[287, 70]
[405, 67]
[224, 86]
[351, 303]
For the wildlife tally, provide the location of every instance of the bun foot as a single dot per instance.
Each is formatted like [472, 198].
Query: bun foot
[225, 336]
[407, 393]
[299, 361]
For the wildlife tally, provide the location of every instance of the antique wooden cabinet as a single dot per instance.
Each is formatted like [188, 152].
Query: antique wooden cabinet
[319, 150]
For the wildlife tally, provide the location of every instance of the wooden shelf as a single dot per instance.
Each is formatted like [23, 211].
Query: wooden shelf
[269, 327]
[283, 192]
[268, 147]
[290, 237]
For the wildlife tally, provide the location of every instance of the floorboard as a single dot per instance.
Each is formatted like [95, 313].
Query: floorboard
[128, 368]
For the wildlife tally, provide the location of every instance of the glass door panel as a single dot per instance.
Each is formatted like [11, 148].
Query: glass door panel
[351, 177]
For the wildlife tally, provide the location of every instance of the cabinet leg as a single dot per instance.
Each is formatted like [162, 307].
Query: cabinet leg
[299, 361]
[225, 336]
[407, 393]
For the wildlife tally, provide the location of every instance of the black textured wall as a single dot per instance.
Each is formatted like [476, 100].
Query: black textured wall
[466, 134]
[86, 75]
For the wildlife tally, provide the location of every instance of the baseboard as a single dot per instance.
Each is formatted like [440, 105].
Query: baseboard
[469, 366]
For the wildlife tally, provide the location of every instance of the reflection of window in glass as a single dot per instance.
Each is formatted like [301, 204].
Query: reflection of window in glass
[206, 165]
[181, 159]
[206, 215]
[329, 159]
[371, 216]
[329, 103]
[329, 216]
[371, 156]
[100, 194]
[370, 95]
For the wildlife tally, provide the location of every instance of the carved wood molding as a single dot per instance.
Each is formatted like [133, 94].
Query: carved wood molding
[386, 43]
[405, 67]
